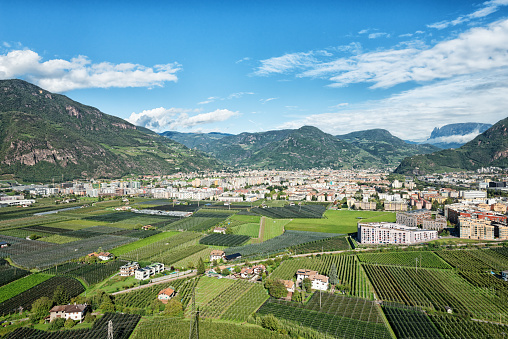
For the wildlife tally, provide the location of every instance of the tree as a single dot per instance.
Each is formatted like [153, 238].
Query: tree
[226, 272]
[69, 323]
[268, 283]
[107, 305]
[40, 309]
[89, 318]
[307, 285]
[173, 308]
[270, 322]
[278, 290]
[60, 296]
[201, 266]
[333, 274]
[237, 269]
[56, 324]
[297, 297]
[217, 270]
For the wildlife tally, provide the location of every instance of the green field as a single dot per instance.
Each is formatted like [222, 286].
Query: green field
[16, 287]
[339, 221]
[143, 242]
[274, 227]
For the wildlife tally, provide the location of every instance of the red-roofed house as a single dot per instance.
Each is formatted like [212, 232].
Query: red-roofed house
[166, 294]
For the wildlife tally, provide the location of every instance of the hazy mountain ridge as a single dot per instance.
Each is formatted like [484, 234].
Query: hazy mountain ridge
[456, 135]
[45, 135]
[193, 140]
[488, 149]
[385, 146]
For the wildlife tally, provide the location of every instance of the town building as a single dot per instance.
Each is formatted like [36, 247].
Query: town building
[392, 233]
[423, 218]
[475, 228]
[75, 312]
[289, 285]
[146, 272]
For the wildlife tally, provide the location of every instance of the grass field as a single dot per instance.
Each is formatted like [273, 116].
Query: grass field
[76, 224]
[59, 239]
[274, 227]
[339, 221]
[143, 242]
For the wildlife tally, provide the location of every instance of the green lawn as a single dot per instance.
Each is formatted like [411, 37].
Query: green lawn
[339, 221]
[143, 242]
[246, 219]
[274, 227]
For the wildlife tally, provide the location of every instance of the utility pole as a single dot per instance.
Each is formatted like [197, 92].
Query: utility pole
[194, 324]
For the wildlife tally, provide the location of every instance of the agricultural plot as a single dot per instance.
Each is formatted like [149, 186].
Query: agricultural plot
[279, 244]
[502, 250]
[425, 259]
[338, 317]
[143, 242]
[435, 289]
[250, 229]
[142, 298]
[44, 289]
[179, 207]
[46, 229]
[408, 323]
[59, 239]
[244, 219]
[127, 220]
[14, 288]
[291, 212]
[21, 246]
[339, 221]
[194, 223]
[140, 234]
[90, 273]
[477, 260]
[349, 271]
[274, 228]
[23, 233]
[248, 303]
[171, 328]
[161, 246]
[75, 224]
[170, 257]
[218, 305]
[57, 254]
[337, 243]
[209, 288]
[9, 273]
[124, 325]
[219, 239]
[204, 254]
[459, 327]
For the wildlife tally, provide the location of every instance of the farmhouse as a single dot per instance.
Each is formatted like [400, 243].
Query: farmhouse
[166, 294]
[216, 255]
[219, 230]
[74, 312]
[289, 284]
[319, 281]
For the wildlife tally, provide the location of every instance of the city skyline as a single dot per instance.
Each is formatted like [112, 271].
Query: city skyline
[235, 67]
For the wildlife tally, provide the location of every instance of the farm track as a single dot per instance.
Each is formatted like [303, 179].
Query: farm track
[155, 283]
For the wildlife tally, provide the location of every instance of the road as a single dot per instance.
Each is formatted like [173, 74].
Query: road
[155, 283]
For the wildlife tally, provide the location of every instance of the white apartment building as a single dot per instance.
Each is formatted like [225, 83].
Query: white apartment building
[392, 233]
[146, 272]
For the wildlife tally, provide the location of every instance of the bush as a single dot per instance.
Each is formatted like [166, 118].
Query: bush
[89, 318]
[69, 323]
[56, 324]
[278, 290]
[270, 322]
[173, 308]
[40, 309]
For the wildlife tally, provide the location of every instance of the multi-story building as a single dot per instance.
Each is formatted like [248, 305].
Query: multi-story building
[423, 218]
[128, 269]
[319, 281]
[146, 272]
[476, 228]
[392, 233]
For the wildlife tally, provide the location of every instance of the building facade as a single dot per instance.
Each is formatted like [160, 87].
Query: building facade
[392, 233]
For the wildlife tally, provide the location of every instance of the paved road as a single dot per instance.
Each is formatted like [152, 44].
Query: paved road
[154, 283]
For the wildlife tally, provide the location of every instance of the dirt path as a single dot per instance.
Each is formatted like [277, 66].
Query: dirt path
[154, 283]
[262, 224]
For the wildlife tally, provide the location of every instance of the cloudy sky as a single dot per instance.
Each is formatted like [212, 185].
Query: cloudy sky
[235, 66]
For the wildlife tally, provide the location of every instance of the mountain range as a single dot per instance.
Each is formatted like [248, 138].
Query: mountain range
[488, 149]
[45, 135]
[456, 135]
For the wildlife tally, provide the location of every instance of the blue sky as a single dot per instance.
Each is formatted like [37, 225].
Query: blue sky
[235, 66]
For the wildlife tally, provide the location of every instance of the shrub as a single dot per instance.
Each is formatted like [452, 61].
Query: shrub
[56, 324]
[270, 322]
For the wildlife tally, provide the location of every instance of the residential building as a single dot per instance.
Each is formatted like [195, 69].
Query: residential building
[216, 255]
[474, 228]
[395, 206]
[289, 285]
[422, 218]
[75, 312]
[392, 233]
[319, 281]
[146, 272]
[128, 269]
[166, 294]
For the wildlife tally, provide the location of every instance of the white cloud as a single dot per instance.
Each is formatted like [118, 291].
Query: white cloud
[58, 75]
[236, 95]
[242, 60]
[479, 49]
[363, 31]
[462, 139]
[208, 100]
[489, 7]
[378, 35]
[413, 114]
[407, 35]
[162, 119]
[264, 101]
